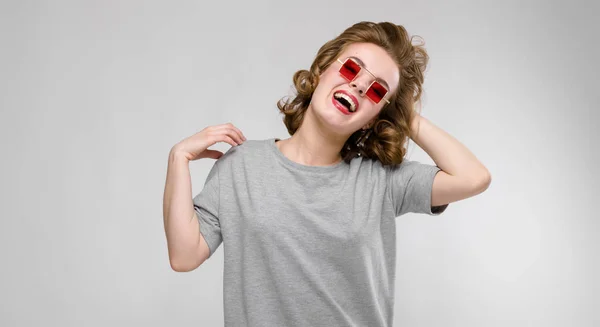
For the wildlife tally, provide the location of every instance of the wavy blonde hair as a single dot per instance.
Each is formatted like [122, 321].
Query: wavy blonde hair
[390, 132]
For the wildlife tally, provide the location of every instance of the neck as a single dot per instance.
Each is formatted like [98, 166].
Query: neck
[311, 145]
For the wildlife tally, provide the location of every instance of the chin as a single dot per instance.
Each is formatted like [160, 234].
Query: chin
[331, 117]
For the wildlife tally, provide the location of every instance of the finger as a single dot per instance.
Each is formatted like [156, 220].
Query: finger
[233, 132]
[220, 136]
[212, 154]
[227, 139]
[236, 135]
[240, 132]
[242, 137]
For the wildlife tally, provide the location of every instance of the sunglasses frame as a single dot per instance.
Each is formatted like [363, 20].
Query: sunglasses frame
[361, 68]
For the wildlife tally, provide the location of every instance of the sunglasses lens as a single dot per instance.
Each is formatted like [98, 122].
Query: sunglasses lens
[376, 92]
[350, 69]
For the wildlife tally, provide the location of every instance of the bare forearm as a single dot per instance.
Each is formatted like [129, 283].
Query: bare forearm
[446, 151]
[181, 229]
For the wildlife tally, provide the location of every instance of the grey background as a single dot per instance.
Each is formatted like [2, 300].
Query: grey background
[94, 94]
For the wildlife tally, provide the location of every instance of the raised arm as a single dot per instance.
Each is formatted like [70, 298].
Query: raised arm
[186, 245]
[462, 175]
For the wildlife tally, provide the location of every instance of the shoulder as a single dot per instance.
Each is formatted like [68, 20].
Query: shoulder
[407, 167]
[240, 153]
[409, 171]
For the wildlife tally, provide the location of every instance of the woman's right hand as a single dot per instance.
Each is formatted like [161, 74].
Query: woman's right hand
[196, 146]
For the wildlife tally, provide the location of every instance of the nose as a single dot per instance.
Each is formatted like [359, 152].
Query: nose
[359, 85]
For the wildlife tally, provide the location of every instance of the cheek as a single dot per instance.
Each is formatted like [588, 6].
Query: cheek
[324, 87]
[327, 83]
[369, 109]
[331, 78]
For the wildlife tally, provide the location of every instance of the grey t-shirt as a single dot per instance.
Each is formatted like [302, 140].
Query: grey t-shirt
[308, 245]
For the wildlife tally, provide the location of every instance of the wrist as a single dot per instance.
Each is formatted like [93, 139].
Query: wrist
[177, 154]
[414, 125]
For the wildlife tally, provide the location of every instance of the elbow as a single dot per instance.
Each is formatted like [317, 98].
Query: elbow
[483, 182]
[183, 266]
[177, 266]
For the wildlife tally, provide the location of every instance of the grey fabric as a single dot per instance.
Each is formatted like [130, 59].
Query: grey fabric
[306, 245]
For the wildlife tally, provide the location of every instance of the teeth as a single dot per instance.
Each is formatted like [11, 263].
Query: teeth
[347, 98]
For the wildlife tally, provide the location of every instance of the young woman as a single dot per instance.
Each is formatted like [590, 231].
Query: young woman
[308, 222]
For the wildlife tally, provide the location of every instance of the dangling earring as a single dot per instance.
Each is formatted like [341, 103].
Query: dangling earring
[360, 143]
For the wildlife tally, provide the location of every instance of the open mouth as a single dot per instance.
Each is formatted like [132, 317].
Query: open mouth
[346, 100]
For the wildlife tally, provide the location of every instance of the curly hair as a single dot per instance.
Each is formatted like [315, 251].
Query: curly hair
[390, 132]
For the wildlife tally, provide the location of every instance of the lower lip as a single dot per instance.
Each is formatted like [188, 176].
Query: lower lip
[340, 106]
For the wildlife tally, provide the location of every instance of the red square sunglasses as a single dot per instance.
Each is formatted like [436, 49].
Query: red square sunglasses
[350, 69]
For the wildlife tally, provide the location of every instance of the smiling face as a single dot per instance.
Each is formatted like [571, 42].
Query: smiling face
[330, 100]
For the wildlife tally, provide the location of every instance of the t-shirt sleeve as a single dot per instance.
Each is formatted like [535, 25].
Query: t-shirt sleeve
[409, 185]
[206, 205]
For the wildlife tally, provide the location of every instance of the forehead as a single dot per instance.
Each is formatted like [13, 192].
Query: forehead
[376, 60]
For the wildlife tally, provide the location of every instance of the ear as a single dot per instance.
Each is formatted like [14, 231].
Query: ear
[371, 122]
